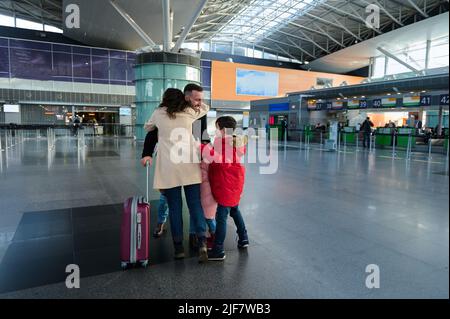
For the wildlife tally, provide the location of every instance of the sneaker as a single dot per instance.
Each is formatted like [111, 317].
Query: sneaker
[179, 251]
[193, 241]
[210, 241]
[202, 253]
[243, 241]
[216, 255]
[159, 230]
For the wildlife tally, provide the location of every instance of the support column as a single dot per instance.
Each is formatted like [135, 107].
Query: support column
[166, 25]
[427, 55]
[154, 73]
[440, 120]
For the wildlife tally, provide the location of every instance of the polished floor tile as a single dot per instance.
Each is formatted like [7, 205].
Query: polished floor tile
[314, 226]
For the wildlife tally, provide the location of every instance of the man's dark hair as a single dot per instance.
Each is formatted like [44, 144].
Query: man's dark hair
[192, 87]
[226, 122]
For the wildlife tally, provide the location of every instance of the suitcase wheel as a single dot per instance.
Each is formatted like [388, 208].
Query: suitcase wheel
[123, 265]
[144, 263]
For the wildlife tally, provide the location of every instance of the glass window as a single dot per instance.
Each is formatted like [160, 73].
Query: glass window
[6, 20]
[262, 17]
[439, 55]
[395, 67]
[378, 67]
[222, 48]
[25, 24]
[239, 50]
[258, 54]
[190, 46]
[270, 56]
[205, 46]
[49, 28]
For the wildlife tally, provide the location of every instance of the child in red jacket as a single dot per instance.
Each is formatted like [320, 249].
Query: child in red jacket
[226, 176]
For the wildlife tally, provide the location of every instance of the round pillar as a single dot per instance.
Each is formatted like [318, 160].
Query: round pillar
[154, 73]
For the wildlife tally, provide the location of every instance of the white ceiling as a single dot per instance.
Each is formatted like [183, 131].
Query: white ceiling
[102, 26]
[358, 55]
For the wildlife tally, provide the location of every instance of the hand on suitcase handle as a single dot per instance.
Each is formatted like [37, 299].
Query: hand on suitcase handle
[147, 160]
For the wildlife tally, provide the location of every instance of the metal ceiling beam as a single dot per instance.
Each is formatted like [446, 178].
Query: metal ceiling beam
[283, 43]
[40, 9]
[384, 10]
[329, 36]
[133, 24]
[55, 4]
[307, 39]
[394, 57]
[337, 23]
[285, 52]
[415, 6]
[27, 11]
[313, 42]
[345, 13]
[189, 26]
[308, 29]
[301, 49]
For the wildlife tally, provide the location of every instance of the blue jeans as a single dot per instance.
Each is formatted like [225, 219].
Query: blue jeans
[163, 210]
[211, 223]
[175, 201]
[163, 213]
[221, 220]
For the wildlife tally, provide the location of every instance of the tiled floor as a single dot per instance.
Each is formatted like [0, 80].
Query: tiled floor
[314, 226]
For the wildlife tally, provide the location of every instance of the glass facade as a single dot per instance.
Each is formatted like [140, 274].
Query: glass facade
[416, 57]
[67, 63]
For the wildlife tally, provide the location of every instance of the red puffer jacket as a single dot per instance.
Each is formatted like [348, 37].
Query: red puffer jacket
[226, 173]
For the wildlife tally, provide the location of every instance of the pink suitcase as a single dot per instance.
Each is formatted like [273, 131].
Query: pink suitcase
[134, 232]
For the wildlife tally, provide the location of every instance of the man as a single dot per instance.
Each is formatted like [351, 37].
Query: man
[76, 125]
[194, 96]
[366, 128]
[418, 124]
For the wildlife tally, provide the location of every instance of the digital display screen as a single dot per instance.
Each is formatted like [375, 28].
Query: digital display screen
[11, 108]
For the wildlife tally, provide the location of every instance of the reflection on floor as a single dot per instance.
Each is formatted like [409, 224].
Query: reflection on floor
[46, 242]
[314, 226]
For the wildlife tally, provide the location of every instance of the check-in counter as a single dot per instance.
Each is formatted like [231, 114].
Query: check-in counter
[384, 136]
[349, 135]
[404, 134]
[445, 131]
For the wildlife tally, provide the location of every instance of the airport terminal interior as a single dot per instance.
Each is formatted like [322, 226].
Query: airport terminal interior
[345, 109]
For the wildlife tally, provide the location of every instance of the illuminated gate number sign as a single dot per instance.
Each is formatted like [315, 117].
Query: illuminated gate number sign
[376, 103]
[444, 99]
[425, 100]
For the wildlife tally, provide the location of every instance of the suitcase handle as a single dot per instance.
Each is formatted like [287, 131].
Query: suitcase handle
[147, 166]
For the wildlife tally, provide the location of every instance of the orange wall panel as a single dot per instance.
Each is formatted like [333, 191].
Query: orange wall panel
[224, 80]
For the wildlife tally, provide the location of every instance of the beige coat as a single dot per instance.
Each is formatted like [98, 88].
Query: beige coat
[178, 160]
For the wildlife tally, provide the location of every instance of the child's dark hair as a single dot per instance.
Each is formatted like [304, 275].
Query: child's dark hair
[226, 122]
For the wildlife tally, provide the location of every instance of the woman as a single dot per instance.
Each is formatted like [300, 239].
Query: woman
[175, 170]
